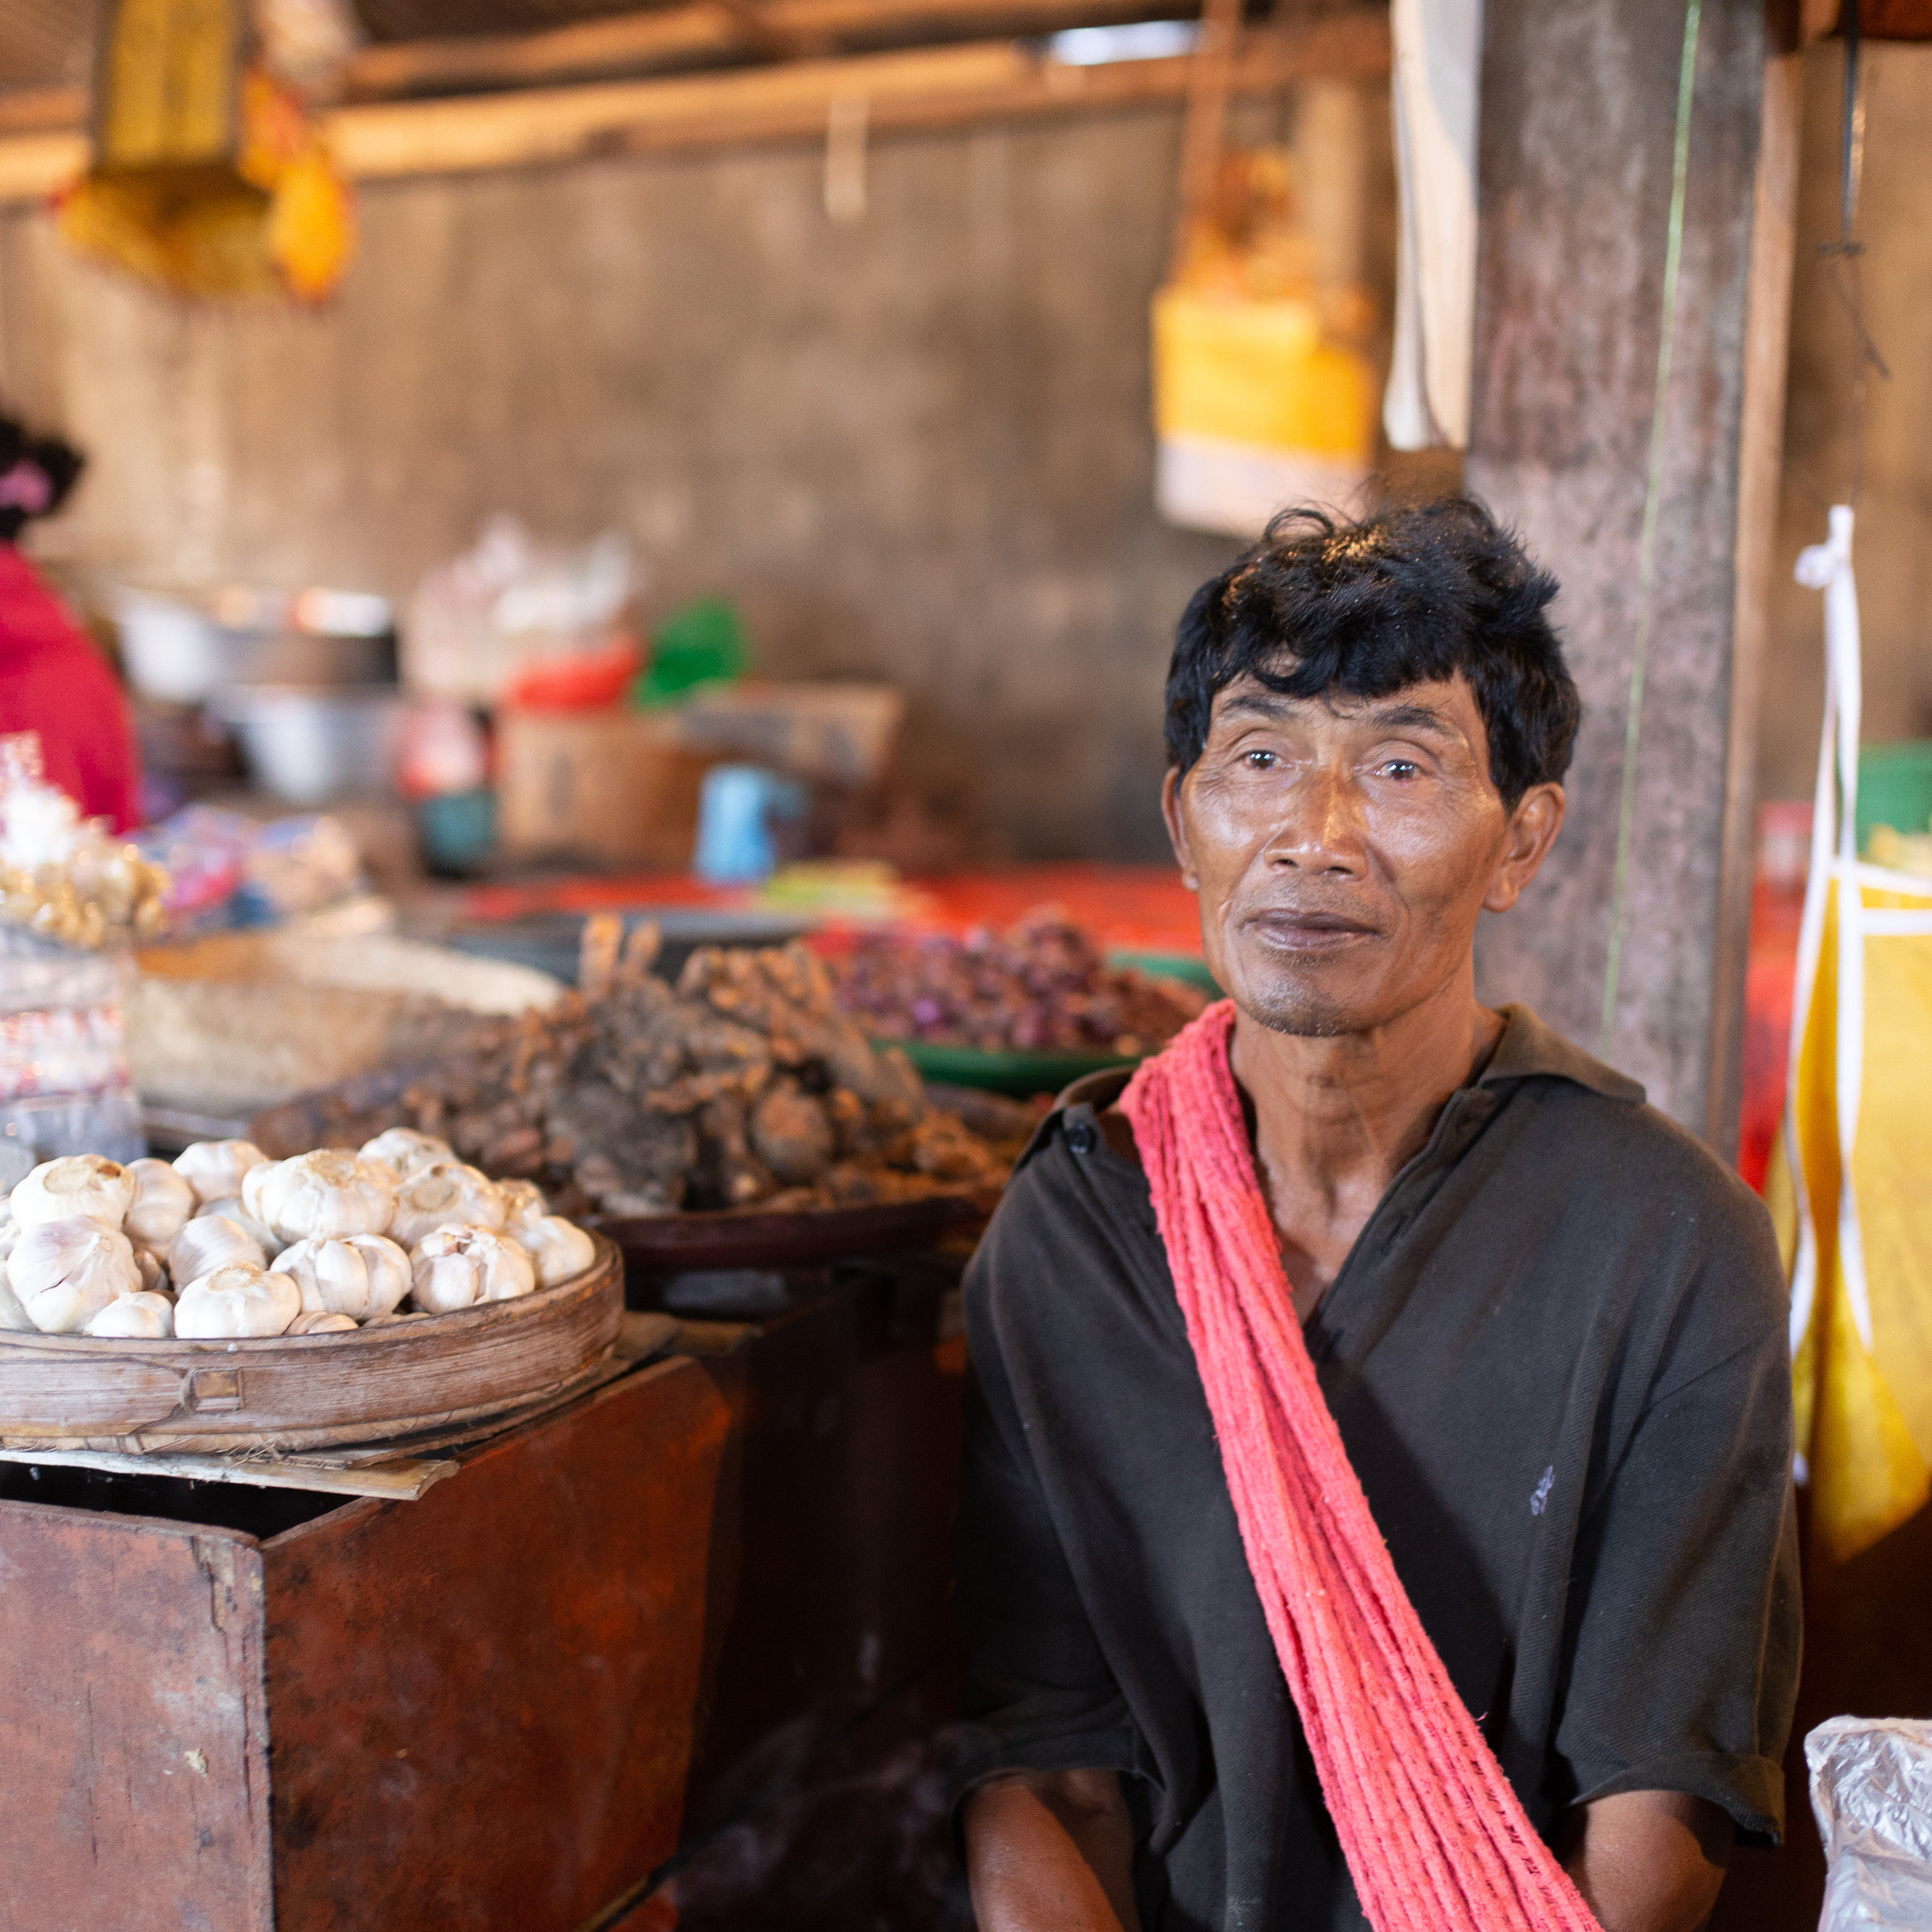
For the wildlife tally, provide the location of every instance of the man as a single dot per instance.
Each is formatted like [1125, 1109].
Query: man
[1549, 1325]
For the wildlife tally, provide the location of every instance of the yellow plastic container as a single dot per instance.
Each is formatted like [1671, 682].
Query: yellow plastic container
[1231, 370]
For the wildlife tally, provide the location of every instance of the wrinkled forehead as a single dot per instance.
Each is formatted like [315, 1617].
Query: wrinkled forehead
[1443, 705]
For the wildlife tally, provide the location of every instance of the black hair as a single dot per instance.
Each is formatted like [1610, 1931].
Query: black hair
[37, 473]
[1409, 595]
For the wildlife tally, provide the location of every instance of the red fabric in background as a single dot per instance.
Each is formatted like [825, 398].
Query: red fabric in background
[53, 681]
[1770, 980]
[1132, 908]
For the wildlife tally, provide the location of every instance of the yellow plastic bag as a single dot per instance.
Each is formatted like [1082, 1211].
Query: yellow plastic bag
[1848, 1187]
[1264, 396]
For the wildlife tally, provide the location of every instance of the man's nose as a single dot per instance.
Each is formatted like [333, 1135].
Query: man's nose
[1321, 830]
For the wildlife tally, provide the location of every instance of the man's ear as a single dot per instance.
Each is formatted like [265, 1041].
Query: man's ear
[1176, 828]
[1533, 827]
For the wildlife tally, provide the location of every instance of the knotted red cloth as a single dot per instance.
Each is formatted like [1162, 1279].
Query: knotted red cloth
[1435, 1839]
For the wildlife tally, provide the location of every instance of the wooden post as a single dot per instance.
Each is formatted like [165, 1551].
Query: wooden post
[1759, 464]
[1579, 119]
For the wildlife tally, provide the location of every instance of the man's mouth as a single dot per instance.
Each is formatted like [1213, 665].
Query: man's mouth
[1308, 932]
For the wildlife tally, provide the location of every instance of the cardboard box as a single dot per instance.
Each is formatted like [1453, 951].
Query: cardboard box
[835, 733]
[615, 787]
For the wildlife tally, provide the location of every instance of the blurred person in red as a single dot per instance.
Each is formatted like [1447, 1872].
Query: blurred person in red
[53, 679]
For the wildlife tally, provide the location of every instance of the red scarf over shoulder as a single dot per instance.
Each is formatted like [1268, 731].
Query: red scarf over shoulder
[1434, 1835]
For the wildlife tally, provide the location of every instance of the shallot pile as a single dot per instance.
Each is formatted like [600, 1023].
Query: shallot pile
[744, 1087]
[226, 1242]
[1042, 986]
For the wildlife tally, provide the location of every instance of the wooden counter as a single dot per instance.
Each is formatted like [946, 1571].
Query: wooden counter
[612, 1633]
[249, 1710]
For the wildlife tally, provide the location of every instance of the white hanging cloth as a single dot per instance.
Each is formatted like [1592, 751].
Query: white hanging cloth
[1438, 87]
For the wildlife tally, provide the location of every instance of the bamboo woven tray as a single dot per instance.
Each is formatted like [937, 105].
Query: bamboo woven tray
[311, 1391]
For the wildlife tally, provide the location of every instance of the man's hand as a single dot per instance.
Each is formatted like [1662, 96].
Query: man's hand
[1648, 1861]
[1051, 1852]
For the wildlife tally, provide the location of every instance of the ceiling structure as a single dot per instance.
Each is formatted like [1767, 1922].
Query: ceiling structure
[45, 43]
[441, 86]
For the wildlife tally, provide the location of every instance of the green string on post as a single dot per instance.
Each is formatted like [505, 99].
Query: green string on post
[1647, 547]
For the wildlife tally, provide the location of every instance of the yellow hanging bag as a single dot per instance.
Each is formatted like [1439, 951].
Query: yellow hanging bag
[1849, 1186]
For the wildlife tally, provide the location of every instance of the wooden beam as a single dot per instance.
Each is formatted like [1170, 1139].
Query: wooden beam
[25, 110]
[1577, 148]
[404, 1480]
[33, 166]
[924, 87]
[1815, 20]
[928, 87]
[1210, 80]
[701, 31]
[1760, 455]
[760, 33]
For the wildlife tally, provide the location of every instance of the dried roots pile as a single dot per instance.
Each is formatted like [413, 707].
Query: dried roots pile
[744, 1087]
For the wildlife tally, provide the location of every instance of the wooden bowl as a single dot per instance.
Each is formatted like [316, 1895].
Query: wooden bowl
[288, 1393]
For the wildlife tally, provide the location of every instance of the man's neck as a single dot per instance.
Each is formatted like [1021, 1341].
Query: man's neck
[1336, 1118]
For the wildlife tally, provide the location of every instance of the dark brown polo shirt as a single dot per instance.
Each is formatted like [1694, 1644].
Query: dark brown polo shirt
[1556, 1355]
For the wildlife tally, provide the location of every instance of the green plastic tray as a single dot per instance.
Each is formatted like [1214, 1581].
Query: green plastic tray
[1023, 1074]
[1190, 968]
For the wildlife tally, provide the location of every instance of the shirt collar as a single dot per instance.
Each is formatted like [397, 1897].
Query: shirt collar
[1530, 1050]
[1527, 1050]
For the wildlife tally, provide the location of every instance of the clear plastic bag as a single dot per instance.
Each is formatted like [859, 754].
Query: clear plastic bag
[1871, 1792]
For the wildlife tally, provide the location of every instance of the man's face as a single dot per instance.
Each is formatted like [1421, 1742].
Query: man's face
[1342, 848]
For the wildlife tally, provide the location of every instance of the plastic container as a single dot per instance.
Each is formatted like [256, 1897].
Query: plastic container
[309, 744]
[739, 810]
[184, 647]
[65, 1087]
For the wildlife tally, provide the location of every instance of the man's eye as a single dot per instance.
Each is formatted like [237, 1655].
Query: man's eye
[1403, 768]
[1258, 760]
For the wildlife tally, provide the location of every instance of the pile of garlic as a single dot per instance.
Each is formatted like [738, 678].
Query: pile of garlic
[319, 1244]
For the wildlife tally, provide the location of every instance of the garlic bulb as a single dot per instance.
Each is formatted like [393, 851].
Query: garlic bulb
[523, 1207]
[214, 1169]
[65, 1272]
[264, 1237]
[208, 1241]
[238, 1299]
[82, 1184]
[445, 1194]
[320, 1321]
[357, 1275]
[558, 1248]
[164, 1204]
[135, 1317]
[402, 1150]
[317, 1194]
[10, 1229]
[154, 1276]
[12, 1315]
[456, 1267]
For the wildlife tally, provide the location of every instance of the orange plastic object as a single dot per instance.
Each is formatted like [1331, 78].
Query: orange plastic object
[585, 681]
[275, 219]
[1126, 908]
